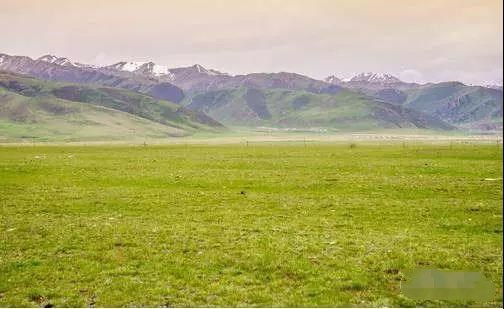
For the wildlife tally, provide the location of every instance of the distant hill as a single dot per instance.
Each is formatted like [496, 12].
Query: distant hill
[473, 107]
[466, 107]
[346, 110]
[37, 109]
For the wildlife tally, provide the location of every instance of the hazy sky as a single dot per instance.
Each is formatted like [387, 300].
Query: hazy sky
[425, 40]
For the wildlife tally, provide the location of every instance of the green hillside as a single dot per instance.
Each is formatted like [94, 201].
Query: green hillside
[345, 110]
[41, 110]
[461, 105]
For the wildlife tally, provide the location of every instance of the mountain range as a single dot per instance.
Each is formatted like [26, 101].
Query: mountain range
[62, 69]
[367, 101]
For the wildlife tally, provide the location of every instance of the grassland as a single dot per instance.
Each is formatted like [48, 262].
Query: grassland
[284, 224]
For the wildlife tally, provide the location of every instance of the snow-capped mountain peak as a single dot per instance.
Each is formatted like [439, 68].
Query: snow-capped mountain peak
[158, 69]
[59, 61]
[155, 70]
[371, 77]
[150, 68]
[48, 58]
[145, 68]
[127, 66]
[200, 69]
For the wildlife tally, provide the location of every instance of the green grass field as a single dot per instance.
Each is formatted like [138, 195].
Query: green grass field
[279, 224]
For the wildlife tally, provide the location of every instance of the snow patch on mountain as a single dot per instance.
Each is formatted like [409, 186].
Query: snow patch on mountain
[60, 61]
[491, 86]
[48, 58]
[375, 78]
[369, 77]
[200, 69]
[131, 66]
[127, 66]
[160, 69]
[151, 68]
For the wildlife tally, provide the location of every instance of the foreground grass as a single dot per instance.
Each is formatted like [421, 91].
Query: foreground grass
[263, 225]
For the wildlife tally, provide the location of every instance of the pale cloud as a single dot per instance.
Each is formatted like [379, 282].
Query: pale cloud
[410, 75]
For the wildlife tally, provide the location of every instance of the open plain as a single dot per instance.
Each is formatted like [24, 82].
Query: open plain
[245, 224]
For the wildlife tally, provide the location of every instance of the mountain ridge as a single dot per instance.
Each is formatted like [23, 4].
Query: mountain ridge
[161, 70]
[61, 69]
